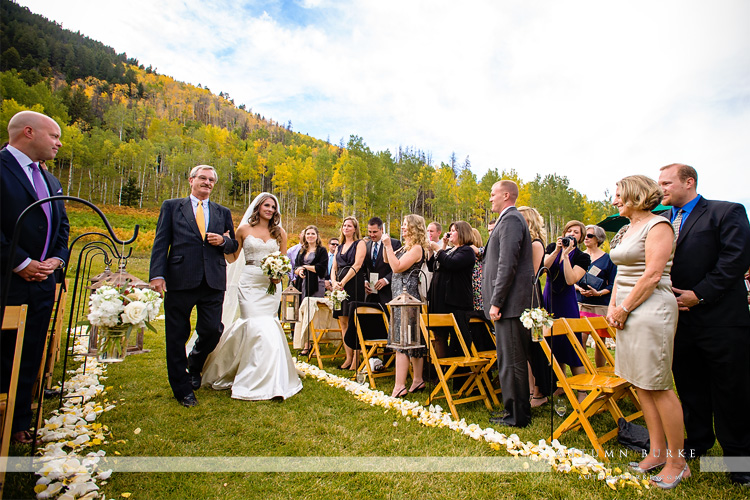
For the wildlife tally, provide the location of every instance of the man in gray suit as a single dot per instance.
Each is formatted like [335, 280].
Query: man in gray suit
[507, 280]
[188, 257]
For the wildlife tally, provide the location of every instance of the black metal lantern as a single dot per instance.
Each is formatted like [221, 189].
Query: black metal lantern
[404, 331]
[290, 299]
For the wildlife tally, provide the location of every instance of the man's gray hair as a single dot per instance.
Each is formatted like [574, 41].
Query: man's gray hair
[196, 169]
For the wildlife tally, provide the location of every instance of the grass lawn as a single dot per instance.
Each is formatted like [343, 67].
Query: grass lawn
[320, 421]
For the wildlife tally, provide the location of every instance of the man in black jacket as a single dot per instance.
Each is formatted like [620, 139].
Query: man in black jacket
[374, 263]
[188, 258]
[43, 248]
[711, 362]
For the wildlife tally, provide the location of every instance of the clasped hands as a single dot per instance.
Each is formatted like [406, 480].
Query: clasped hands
[39, 271]
[378, 285]
[616, 317]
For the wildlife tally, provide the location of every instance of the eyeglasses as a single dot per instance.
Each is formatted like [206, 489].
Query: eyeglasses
[334, 244]
[206, 179]
[590, 236]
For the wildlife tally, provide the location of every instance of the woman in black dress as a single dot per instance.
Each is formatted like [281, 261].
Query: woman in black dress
[310, 269]
[348, 274]
[452, 267]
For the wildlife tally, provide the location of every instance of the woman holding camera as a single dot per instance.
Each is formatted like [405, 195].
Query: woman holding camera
[595, 288]
[566, 265]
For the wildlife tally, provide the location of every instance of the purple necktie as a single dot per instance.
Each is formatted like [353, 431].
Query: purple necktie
[41, 192]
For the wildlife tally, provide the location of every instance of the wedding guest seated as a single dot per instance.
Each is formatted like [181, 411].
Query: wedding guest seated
[594, 290]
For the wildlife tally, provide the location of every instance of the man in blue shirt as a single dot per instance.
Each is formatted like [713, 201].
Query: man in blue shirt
[712, 344]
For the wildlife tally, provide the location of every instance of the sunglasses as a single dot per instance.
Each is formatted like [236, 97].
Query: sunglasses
[334, 244]
[590, 236]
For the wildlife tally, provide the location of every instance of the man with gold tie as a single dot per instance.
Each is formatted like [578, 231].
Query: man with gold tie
[187, 262]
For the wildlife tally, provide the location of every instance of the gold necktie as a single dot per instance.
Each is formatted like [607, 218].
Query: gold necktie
[200, 218]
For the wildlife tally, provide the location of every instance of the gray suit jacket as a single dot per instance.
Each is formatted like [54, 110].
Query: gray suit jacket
[507, 268]
[180, 256]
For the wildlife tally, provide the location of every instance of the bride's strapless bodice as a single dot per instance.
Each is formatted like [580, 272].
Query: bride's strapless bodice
[255, 248]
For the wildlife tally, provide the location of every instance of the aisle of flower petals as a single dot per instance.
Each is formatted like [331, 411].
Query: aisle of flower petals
[70, 469]
[559, 457]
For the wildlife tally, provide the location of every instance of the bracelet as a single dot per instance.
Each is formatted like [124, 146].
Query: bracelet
[624, 309]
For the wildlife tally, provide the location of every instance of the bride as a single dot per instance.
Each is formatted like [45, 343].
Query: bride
[253, 355]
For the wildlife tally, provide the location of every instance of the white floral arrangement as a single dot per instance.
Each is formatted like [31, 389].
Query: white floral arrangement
[536, 320]
[110, 307]
[275, 265]
[337, 297]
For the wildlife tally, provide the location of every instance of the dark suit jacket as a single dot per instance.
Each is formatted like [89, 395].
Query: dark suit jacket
[320, 262]
[180, 256]
[382, 268]
[17, 193]
[507, 269]
[711, 257]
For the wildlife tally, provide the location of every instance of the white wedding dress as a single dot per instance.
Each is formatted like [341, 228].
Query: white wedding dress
[253, 355]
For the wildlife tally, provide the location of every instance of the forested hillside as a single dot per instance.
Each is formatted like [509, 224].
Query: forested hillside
[130, 135]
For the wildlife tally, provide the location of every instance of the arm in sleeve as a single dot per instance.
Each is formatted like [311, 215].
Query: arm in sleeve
[510, 235]
[733, 259]
[162, 242]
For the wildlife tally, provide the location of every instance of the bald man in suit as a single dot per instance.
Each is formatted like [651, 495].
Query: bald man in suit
[43, 248]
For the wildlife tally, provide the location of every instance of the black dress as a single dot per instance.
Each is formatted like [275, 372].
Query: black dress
[355, 287]
[312, 284]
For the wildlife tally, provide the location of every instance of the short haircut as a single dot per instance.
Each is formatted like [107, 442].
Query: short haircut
[437, 225]
[198, 168]
[330, 240]
[376, 221]
[510, 187]
[464, 232]
[640, 192]
[684, 172]
[575, 223]
[599, 234]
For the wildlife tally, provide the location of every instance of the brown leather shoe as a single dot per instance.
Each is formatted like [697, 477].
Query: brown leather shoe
[24, 437]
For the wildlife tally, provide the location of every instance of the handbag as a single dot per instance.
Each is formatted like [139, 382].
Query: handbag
[589, 280]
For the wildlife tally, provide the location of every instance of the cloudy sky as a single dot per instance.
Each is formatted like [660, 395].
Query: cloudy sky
[593, 90]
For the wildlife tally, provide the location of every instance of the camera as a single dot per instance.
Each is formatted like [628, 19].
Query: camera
[568, 241]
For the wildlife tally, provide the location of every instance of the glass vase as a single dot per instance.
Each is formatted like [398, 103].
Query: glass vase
[112, 344]
[537, 334]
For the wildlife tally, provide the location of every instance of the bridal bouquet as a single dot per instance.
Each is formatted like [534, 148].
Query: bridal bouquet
[116, 311]
[536, 320]
[275, 265]
[337, 297]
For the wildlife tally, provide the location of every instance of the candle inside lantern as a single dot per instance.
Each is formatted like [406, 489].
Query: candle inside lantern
[290, 311]
[408, 334]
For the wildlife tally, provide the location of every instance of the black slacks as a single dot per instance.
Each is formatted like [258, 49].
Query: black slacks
[711, 369]
[40, 297]
[178, 305]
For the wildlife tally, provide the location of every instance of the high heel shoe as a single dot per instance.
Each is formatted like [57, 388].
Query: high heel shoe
[636, 467]
[418, 388]
[657, 481]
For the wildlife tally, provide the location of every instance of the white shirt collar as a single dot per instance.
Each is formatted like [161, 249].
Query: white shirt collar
[195, 201]
[20, 156]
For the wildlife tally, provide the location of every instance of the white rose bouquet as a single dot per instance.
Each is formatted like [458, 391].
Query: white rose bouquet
[111, 307]
[536, 320]
[337, 297]
[275, 265]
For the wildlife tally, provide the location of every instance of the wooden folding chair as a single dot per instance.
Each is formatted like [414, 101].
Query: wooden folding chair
[446, 367]
[321, 336]
[603, 390]
[372, 333]
[14, 319]
[600, 323]
[484, 346]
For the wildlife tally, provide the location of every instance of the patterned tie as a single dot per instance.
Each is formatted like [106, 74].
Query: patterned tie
[677, 222]
[200, 218]
[41, 192]
[375, 251]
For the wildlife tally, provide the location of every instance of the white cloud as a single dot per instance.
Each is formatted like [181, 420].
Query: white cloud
[588, 89]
